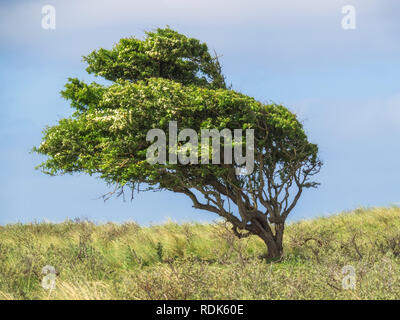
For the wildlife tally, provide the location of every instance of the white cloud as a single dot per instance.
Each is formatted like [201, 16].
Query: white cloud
[283, 29]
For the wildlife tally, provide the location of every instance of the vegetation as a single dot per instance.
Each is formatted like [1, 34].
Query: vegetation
[169, 77]
[203, 261]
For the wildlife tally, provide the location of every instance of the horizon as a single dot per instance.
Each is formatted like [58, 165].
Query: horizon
[342, 84]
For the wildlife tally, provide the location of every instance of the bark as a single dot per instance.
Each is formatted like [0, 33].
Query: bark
[274, 242]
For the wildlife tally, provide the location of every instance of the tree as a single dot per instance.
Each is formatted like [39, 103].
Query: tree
[170, 77]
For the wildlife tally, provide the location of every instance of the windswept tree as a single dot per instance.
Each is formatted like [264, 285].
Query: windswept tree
[170, 77]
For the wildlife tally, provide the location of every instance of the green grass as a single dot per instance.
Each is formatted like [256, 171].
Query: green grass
[203, 261]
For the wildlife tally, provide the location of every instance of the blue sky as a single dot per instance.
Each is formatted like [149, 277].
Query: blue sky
[343, 84]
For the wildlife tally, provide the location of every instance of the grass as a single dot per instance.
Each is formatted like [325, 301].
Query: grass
[203, 261]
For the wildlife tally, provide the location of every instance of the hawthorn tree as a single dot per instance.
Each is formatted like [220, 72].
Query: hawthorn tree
[170, 77]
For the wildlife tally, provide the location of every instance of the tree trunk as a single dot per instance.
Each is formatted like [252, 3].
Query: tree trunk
[274, 242]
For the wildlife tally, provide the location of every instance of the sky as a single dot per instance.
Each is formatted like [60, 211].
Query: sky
[344, 85]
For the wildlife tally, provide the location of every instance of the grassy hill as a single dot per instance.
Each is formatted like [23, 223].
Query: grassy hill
[203, 261]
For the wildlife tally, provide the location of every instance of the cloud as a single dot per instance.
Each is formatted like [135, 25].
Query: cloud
[99, 13]
[287, 30]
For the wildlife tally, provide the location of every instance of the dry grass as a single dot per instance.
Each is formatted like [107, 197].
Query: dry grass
[203, 261]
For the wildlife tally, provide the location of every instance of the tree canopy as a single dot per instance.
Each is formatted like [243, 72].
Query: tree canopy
[170, 77]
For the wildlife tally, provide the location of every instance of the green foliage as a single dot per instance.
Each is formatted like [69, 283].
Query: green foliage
[165, 77]
[163, 54]
[203, 261]
[83, 96]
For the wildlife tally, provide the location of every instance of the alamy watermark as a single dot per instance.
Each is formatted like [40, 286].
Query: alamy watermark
[48, 17]
[49, 279]
[349, 21]
[349, 279]
[189, 152]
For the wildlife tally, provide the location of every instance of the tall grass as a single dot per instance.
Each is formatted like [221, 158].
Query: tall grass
[203, 261]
